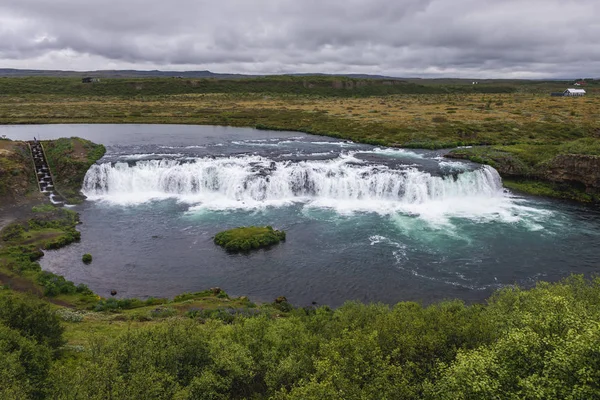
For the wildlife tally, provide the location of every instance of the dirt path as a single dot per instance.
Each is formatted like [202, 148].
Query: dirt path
[11, 211]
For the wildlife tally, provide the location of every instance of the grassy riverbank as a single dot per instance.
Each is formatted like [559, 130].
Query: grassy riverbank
[31, 225]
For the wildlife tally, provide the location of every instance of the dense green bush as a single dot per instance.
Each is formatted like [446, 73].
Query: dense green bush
[55, 284]
[248, 238]
[539, 343]
[69, 236]
[86, 258]
[32, 318]
[12, 232]
[24, 365]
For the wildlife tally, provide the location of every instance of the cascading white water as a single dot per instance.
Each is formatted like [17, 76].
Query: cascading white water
[253, 180]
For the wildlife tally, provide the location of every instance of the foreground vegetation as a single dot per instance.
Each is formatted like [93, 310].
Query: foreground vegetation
[518, 118]
[523, 344]
[248, 238]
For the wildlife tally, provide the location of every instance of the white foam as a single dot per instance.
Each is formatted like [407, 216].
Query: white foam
[453, 166]
[249, 143]
[399, 253]
[391, 152]
[341, 144]
[147, 155]
[344, 184]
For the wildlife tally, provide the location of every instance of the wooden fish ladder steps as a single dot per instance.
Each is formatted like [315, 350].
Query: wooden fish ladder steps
[42, 170]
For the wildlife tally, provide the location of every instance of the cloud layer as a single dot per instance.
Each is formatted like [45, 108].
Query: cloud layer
[461, 38]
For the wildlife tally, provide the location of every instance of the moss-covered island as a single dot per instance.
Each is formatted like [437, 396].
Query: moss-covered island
[249, 238]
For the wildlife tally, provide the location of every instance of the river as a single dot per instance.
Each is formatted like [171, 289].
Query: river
[364, 223]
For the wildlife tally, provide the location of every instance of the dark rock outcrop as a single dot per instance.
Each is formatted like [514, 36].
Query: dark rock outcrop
[575, 169]
[506, 164]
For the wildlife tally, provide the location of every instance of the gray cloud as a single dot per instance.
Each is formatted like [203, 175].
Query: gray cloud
[474, 38]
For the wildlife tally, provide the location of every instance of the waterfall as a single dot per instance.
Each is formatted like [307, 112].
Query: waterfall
[254, 179]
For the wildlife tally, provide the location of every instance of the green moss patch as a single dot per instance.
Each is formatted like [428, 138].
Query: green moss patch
[69, 159]
[20, 247]
[248, 238]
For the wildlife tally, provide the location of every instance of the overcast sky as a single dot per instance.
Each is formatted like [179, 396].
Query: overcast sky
[459, 38]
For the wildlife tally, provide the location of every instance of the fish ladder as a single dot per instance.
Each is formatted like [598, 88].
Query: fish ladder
[43, 174]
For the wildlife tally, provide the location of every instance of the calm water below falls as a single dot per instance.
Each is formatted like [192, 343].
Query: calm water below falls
[363, 223]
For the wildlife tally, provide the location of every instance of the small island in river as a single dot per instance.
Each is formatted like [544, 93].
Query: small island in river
[248, 238]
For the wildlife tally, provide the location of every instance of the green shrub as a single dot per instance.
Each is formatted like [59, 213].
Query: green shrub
[13, 232]
[33, 318]
[248, 238]
[163, 312]
[537, 343]
[43, 208]
[24, 365]
[86, 258]
[55, 284]
[69, 236]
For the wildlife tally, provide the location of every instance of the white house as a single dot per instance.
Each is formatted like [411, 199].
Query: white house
[574, 92]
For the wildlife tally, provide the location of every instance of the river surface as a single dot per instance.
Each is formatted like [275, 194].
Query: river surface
[363, 222]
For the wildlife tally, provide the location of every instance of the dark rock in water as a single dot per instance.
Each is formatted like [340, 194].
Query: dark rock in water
[216, 290]
[314, 303]
[113, 292]
[281, 299]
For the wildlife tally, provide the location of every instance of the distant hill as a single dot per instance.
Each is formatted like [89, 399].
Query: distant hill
[9, 72]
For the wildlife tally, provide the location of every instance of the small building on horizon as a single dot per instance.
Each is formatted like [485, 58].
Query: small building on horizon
[574, 92]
